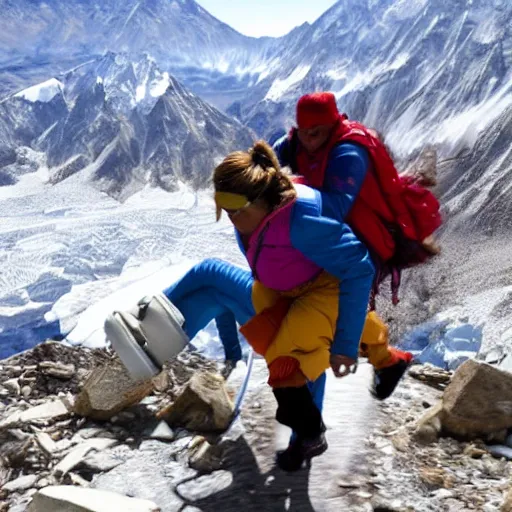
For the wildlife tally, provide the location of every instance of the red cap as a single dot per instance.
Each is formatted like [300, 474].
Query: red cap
[317, 108]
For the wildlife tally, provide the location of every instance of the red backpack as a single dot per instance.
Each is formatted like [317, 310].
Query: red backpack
[394, 215]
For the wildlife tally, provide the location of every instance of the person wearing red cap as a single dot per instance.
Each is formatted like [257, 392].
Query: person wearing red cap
[321, 156]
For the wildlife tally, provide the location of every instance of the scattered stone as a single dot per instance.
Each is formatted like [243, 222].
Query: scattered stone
[76, 479]
[5, 474]
[47, 444]
[436, 477]
[428, 426]
[507, 503]
[431, 375]
[207, 458]
[499, 451]
[478, 400]
[162, 432]
[108, 391]
[21, 484]
[474, 452]
[203, 406]
[45, 411]
[14, 453]
[13, 386]
[161, 382]
[76, 499]
[77, 455]
[57, 370]
[87, 433]
[443, 494]
[401, 441]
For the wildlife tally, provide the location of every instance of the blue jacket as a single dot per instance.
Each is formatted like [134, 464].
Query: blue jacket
[346, 170]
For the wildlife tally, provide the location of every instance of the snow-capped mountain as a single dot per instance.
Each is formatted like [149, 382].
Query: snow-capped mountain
[205, 54]
[124, 123]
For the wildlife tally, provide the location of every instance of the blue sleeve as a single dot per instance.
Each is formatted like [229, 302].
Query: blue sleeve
[333, 247]
[282, 150]
[344, 176]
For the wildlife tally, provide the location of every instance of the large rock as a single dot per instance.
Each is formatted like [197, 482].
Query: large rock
[478, 401]
[63, 498]
[108, 391]
[203, 406]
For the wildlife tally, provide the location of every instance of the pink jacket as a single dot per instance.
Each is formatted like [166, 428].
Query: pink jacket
[272, 257]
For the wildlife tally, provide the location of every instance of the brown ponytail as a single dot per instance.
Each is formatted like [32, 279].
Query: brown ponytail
[255, 174]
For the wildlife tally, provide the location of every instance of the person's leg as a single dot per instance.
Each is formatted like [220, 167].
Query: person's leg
[297, 410]
[210, 290]
[317, 389]
[307, 329]
[389, 363]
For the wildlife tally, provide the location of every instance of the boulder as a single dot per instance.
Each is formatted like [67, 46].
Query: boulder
[109, 390]
[62, 498]
[203, 406]
[478, 401]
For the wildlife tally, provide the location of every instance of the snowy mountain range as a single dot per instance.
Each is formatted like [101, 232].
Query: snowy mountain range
[127, 98]
[123, 122]
[419, 71]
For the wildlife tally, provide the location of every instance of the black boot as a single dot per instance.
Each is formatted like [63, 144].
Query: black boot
[297, 410]
[385, 380]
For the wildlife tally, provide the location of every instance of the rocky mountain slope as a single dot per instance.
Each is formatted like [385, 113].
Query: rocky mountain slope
[122, 123]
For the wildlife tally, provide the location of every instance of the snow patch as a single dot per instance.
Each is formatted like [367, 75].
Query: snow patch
[43, 92]
[159, 86]
[279, 87]
[405, 9]
[362, 80]
[460, 332]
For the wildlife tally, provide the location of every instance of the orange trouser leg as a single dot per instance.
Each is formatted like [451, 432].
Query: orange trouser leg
[375, 342]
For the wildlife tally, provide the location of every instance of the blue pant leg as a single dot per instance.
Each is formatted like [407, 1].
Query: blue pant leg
[317, 389]
[213, 289]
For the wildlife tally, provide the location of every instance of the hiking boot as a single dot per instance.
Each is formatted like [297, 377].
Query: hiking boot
[298, 451]
[386, 379]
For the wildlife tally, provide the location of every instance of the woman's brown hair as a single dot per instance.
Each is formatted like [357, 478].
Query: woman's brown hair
[256, 174]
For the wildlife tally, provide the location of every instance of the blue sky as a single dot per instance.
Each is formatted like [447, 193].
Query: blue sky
[266, 17]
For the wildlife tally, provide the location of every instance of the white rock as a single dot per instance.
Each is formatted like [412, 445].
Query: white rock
[443, 494]
[20, 484]
[13, 386]
[26, 391]
[75, 499]
[163, 432]
[48, 410]
[46, 443]
[77, 455]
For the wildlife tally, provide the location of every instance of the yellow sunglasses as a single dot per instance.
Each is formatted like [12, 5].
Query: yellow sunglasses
[231, 203]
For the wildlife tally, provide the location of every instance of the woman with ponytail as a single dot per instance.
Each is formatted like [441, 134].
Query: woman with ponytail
[303, 304]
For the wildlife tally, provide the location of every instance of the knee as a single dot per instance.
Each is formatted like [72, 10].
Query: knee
[210, 267]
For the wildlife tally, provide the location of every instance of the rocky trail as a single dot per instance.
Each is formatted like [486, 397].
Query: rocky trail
[59, 450]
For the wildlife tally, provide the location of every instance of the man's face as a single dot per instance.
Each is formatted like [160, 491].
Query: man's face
[315, 137]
